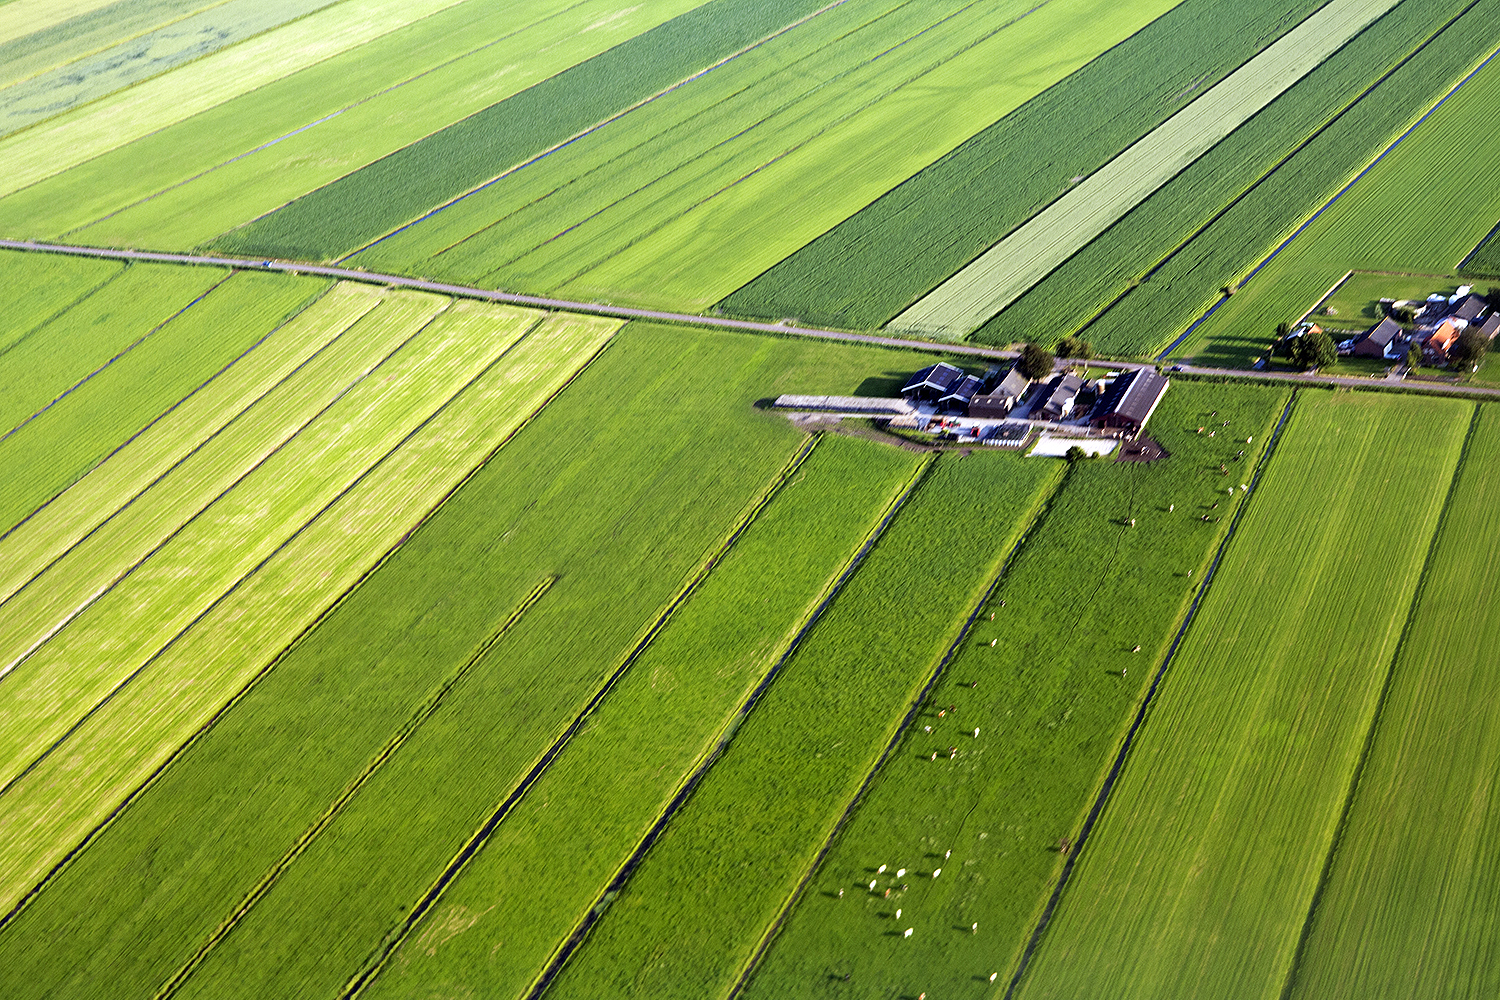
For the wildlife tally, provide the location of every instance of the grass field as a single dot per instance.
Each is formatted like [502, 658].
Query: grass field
[36, 287]
[1051, 706]
[1199, 876]
[1118, 260]
[1002, 273]
[1409, 904]
[1486, 260]
[880, 260]
[694, 911]
[591, 808]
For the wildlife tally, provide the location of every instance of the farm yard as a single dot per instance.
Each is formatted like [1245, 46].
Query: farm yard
[729, 499]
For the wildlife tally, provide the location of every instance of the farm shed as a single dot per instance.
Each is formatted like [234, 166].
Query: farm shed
[1491, 326]
[1130, 401]
[1001, 399]
[1468, 308]
[1374, 341]
[1060, 398]
[956, 399]
[1441, 342]
[934, 382]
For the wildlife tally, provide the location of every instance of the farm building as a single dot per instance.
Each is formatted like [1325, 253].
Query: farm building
[1491, 326]
[957, 399]
[1061, 397]
[1002, 398]
[934, 382]
[1469, 308]
[1374, 342]
[1130, 401]
[1436, 349]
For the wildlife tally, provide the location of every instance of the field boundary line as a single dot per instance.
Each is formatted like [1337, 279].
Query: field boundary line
[1222, 298]
[6, 669]
[476, 841]
[116, 357]
[1038, 514]
[237, 697]
[551, 149]
[414, 722]
[165, 413]
[1357, 774]
[61, 311]
[1477, 247]
[685, 790]
[1324, 297]
[1142, 712]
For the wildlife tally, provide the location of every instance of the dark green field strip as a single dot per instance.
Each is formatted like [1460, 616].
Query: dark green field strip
[1485, 258]
[1107, 268]
[37, 287]
[1051, 706]
[360, 207]
[879, 261]
[585, 816]
[1176, 293]
[617, 515]
[48, 454]
[1409, 905]
[77, 345]
[698, 905]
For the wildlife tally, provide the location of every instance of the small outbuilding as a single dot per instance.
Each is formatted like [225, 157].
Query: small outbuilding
[1130, 401]
[1001, 398]
[1491, 326]
[1059, 399]
[1374, 342]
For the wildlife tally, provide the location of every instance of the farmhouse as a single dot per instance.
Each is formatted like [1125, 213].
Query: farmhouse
[1130, 401]
[1436, 349]
[1002, 398]
[1374, 342]
[1061, 397]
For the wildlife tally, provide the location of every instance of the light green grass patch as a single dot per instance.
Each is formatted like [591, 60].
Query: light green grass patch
[35, 287]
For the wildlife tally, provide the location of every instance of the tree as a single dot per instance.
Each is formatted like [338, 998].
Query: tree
[1414, 356]
[1036, 361]
[1314, 349]
[1075, 454]
[1282, 329]
[1075, 347]
[1469, 350]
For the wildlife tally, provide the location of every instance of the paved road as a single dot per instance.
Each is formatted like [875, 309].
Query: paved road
[625, 312]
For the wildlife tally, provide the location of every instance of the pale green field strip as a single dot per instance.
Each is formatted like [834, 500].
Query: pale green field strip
[1410, 905]
[690, 682]
[711, 244]
[64, 565]
[49, 94]
[230, 645]
[1198, 877]
[1436, 174]
[20, 18]
[596, 195]
[36, 287]
[380, 121]
[696, 908]
[46, 456]
[82, 36]
[67, 518]
[1001, 274]
[120, 631]
[154, 104]
[43, 367]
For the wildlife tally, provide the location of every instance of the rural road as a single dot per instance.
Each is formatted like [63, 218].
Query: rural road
[627, 312]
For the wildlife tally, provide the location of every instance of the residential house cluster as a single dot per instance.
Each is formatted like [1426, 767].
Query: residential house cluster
[1121, 403]
[1439, 321]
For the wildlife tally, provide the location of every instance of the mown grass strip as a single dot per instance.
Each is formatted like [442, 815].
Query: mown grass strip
[52, 452]
[796, 762]
[1408, 905]
[1002, 273]
[604, 799]
[39, 287]
[1198, 877]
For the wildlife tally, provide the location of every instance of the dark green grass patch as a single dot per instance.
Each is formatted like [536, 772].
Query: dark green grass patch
[1486, 257]
[360, 207]
[879, 261]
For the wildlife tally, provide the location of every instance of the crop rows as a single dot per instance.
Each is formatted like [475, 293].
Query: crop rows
[1108, 267]
[1001, 274]
[1436, 173]
[117, 748]
[1409, 904]
[880, 260]
[682, 200]
[1198, 878]
[36, 287]
[347, 214]
[596, 802]
[1486, 257]
[60, 33]
[617, 517]
[1054, 696]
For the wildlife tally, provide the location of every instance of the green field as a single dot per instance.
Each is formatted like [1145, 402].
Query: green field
[1199, 876]
[37, 287]
[1486, 260]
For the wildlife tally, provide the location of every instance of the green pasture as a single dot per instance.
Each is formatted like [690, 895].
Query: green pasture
[85, 337]
[54, 34]
[1409, 906]
[621, 507]
[1487, 261]
[381, 97]
[1418, 210]
[1356, 303]
[1051, 705]
[1198, 878]
[35, 287]
[1121, 258]
[878, 261]
[591, 808]
[51, 452]
[695, 910]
